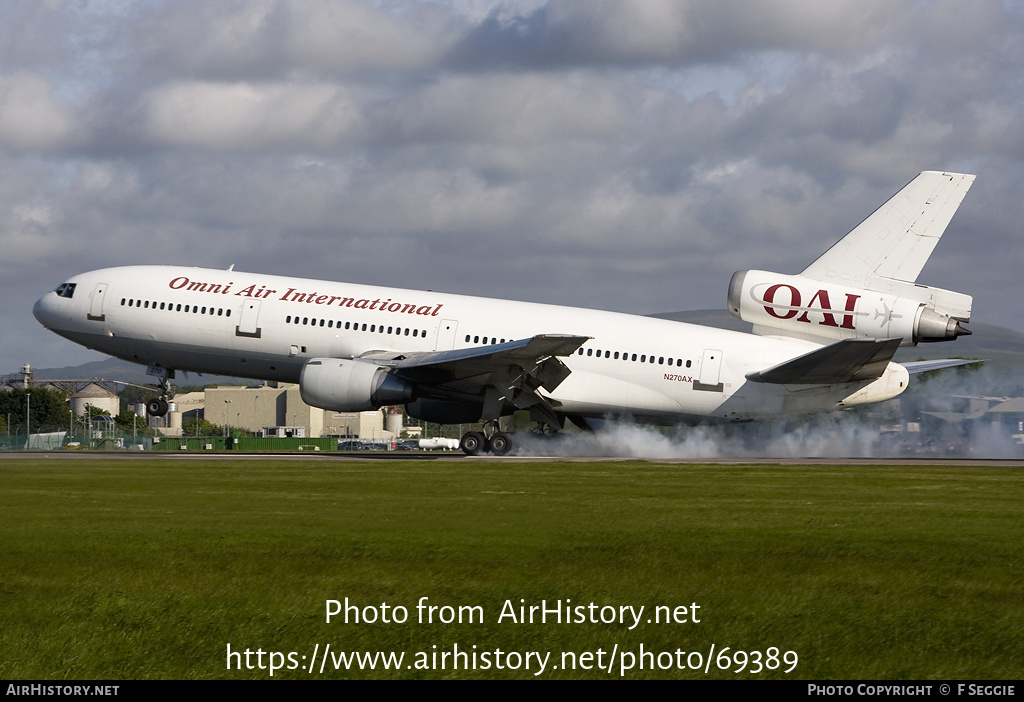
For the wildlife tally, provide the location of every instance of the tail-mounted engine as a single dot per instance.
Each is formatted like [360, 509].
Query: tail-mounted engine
[883, 309]
[346, 385]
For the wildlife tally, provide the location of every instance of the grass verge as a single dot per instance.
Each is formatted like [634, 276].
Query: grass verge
[132, 569]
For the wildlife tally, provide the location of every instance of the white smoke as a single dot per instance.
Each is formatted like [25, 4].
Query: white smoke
[902, 428]
[835, 438]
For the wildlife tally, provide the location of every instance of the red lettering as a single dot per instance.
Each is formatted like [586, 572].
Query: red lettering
[794, 301]
[828, 316]
[851, 303]
[828, 320]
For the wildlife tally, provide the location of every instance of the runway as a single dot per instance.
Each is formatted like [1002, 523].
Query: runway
[459, 457]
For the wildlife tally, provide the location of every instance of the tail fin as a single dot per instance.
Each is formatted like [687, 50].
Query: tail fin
[864, 286]
[897, 239]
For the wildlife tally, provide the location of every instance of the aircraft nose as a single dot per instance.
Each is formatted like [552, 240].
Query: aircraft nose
[43, 309]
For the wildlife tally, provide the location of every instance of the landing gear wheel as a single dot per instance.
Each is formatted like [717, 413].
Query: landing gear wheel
[156, 407]
[473, 443]
[501, 443]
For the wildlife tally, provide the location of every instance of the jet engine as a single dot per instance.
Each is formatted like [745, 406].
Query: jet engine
[345, 385]
[882, 309]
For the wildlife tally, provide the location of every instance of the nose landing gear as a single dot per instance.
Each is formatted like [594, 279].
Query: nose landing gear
[158, 406]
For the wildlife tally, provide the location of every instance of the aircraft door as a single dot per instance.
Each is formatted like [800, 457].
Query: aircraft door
[96, 304]
[248, 322]
[710, 371]
[446, 334]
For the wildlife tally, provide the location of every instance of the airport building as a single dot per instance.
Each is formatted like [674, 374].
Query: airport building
[277, 412]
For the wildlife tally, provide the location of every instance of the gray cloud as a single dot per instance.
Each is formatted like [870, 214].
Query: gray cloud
[672, 33]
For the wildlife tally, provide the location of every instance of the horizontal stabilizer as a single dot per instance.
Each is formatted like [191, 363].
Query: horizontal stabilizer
[847, 361]
[922, 366]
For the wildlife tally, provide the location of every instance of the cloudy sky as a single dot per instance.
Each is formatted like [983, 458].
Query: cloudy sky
[622, 154]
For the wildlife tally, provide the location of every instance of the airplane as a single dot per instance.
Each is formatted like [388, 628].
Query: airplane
[822, 340]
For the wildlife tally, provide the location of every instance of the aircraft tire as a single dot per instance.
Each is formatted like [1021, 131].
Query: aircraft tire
[473, 443]
[501, 443]
[156, 407]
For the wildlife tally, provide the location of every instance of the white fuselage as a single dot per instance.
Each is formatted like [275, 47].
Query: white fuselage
[267, 327]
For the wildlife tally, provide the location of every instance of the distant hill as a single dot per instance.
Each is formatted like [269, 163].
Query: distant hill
[115, 369]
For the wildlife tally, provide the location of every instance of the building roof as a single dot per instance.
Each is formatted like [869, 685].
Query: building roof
[1015, 405]
[94, 390]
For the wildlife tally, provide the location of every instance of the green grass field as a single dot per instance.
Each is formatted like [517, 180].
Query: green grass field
[148, 568]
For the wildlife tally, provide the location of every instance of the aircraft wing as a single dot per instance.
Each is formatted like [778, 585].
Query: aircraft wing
[458, 364]
[509, 373]
[847, 361]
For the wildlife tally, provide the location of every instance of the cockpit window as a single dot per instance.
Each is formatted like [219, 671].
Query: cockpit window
[66, 290]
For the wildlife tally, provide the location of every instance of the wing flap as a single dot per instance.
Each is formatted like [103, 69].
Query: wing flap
[847, 361]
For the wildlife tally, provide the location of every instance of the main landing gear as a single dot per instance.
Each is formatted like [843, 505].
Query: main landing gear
[494, 441]
[491, 440]
[158, 406]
